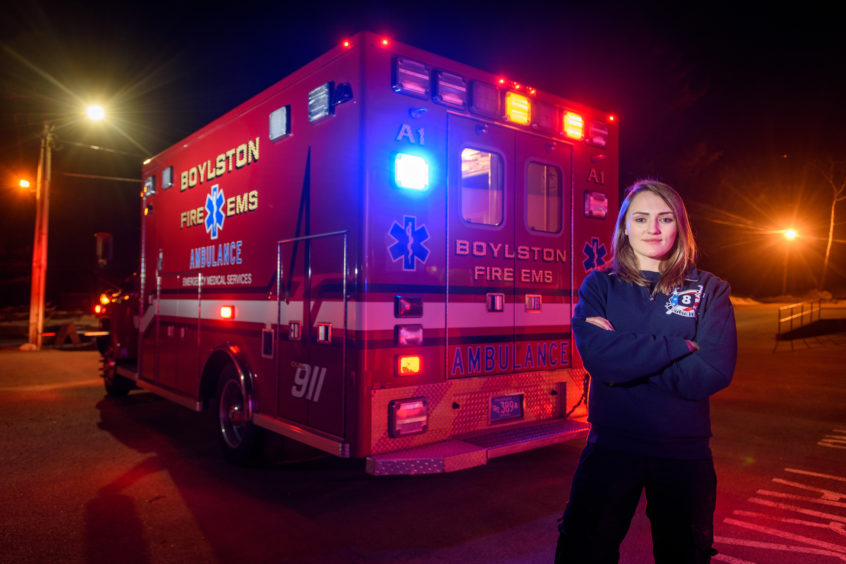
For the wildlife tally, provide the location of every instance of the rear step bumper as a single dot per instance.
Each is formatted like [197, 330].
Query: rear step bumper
[456, 454]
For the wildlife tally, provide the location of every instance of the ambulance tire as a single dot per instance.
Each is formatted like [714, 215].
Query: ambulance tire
[116, 386]
[240, 439]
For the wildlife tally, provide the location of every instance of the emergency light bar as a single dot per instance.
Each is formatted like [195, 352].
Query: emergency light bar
[515, 105]
[518, 108]
[545, 117]
[598, 134]
[411, 77]
[574, 125]
[484, 99]
[450, 90]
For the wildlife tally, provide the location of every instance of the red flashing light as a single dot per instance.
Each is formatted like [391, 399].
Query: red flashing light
[346, 44]
[385, 42]
[227, 312]
[612, 117]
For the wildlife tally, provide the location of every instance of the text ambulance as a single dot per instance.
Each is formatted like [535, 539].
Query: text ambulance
[377, 257]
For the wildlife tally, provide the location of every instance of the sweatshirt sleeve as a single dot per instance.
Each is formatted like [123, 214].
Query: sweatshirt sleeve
[709, 369]
[618, 357]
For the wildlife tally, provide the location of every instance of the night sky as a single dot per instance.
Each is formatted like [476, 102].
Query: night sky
[740, 108]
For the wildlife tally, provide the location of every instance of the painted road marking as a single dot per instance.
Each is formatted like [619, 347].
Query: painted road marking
[834, 548]
[837, 440]
[58, 386]
[730, 559]
[782, 547]
[811, 512]
[836, 527]
[812, 524]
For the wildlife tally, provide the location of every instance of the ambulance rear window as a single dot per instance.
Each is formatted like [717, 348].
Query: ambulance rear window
[481, 187]
[544, 198]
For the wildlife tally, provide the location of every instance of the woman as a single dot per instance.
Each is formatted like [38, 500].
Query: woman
[658, 338]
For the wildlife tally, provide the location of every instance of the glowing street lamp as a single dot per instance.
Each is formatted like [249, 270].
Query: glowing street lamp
[790, 234]
[96, 113]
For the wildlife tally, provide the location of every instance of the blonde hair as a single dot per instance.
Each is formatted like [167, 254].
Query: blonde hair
[679, 261]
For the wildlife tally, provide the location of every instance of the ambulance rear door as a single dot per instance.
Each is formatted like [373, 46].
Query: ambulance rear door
[509, 238]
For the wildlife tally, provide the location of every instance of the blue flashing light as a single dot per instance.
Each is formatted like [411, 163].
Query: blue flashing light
[411, 172]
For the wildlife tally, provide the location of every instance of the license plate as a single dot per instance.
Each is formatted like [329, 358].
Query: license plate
[506, 408]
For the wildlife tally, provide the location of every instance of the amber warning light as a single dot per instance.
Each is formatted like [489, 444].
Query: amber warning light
[408, 365]
[574, 125]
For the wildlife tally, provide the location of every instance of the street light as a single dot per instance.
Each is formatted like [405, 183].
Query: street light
[39, 245]
[96, 113]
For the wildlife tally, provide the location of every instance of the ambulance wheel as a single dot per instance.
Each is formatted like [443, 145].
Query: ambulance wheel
[116, 386]
[239, 438]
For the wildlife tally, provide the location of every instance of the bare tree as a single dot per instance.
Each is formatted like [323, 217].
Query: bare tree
[835, 174]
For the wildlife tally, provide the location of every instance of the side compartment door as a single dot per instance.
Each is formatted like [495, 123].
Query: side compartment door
[177, 327]
[481, 253]
[312, 331]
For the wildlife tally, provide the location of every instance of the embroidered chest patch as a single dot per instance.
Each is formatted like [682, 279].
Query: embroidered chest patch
[684, 302]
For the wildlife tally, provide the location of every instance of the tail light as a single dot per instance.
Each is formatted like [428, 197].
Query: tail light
[407, 417]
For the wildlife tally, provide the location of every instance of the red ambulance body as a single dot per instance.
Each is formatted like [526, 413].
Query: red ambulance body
[378, 257]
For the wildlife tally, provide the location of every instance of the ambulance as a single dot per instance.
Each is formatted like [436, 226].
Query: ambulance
[378, 257]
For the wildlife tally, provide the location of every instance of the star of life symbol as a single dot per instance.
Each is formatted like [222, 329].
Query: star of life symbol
[214, 211]
[594, 254]
[684, 302]
[409, 243]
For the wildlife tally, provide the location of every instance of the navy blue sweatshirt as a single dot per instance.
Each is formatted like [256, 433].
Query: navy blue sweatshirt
[649, 393]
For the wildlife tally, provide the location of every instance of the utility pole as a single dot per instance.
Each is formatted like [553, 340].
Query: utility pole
[39, 245]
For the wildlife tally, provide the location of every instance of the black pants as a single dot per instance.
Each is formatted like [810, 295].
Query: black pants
[680, 500]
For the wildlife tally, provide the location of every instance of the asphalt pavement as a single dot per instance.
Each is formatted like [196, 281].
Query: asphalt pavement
[85, 478]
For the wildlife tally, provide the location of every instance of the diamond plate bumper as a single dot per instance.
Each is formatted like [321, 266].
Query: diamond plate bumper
[458, 454]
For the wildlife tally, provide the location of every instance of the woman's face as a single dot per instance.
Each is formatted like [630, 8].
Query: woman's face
[651, 228]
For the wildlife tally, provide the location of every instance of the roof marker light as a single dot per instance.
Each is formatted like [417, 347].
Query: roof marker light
[517, 108]
[411, 172]
[574, 125]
